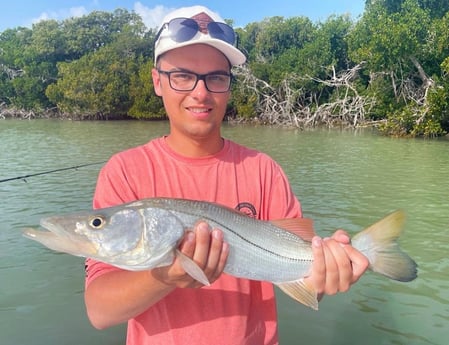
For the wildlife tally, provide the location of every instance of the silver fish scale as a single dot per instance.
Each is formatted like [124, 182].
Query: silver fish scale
[258, 249]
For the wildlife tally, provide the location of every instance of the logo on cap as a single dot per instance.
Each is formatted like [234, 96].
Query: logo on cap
[202, 19]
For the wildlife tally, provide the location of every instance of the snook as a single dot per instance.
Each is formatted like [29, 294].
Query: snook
[145, 234]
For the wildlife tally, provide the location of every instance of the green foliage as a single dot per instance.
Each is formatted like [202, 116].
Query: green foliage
[27, 93]
[243, 103]
[278, 34]
[82, 65]
[272, 45]
[325, 54]
[99, 65]
[438, 43]
[6, 91]
[406, 123]
[145, 103]
[437, 8]
[429, 122]
[386, 41]
[95, 86]
[438, 102]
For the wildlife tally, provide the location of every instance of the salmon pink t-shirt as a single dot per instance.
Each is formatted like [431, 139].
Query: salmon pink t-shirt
[231, 310]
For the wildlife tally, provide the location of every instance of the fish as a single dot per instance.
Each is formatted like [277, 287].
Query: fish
[146, 233]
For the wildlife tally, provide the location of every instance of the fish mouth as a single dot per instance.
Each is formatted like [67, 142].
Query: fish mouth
[54, 228]
[61, 240]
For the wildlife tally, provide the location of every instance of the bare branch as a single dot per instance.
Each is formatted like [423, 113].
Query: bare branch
[287, 106]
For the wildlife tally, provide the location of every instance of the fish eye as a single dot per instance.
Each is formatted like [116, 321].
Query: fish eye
[97, 222]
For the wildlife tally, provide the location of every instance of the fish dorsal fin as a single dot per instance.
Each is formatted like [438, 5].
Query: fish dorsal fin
[192, 269]
[300, 292]
[302, 227]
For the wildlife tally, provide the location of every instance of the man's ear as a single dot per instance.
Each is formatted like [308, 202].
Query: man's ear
[156, 81]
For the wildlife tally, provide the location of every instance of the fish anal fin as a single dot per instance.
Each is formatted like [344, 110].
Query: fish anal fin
[302, 227]
[192, 269]
[299, 291]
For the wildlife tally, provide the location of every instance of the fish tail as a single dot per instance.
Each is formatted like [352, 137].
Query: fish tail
[379, 244]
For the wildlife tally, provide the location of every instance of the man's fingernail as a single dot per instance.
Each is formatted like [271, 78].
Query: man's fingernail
[217, 234]
[202, 226]
[316, 241]
[190, 236]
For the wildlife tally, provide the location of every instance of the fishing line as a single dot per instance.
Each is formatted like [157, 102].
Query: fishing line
[24, 177]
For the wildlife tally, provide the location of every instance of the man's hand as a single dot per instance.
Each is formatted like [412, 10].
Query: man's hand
[336, 266]
[206, 248]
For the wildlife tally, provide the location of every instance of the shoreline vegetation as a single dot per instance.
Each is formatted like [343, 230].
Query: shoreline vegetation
[380, 70]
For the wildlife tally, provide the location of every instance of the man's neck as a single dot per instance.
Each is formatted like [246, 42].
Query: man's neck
[195, 147]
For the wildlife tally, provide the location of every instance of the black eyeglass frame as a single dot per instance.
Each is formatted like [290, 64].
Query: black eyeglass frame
[198, 77]
[211, 30]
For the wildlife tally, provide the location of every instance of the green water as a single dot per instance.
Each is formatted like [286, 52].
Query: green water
[344, 179]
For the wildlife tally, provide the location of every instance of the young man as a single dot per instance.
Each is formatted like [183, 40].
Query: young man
[194, 52]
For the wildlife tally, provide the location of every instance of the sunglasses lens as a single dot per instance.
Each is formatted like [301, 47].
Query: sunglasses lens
[222, 32]
[182, 29]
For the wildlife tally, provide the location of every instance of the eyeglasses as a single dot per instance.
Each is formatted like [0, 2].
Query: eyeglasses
[184, 29]
[186, 81]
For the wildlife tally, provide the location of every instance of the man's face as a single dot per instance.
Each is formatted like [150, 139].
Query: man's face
[195, 114]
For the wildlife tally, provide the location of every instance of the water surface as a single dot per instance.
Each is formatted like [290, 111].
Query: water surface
[344, 179]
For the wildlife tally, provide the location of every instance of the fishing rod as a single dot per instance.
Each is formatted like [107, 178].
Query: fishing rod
[24, 177]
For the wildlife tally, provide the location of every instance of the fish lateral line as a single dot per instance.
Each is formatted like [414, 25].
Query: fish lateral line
[286, 224]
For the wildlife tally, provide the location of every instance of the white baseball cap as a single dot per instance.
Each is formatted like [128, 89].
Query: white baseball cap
[193, 25]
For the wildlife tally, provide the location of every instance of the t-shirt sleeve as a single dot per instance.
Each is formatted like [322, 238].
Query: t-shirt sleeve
[279, 200]
[113, 184]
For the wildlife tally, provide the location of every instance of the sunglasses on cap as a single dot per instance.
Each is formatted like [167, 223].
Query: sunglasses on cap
[184, 29]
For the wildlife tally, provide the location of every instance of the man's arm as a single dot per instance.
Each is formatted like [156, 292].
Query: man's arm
[118, 296]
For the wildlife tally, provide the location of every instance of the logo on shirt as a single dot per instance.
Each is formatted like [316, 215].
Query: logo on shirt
[247, 208]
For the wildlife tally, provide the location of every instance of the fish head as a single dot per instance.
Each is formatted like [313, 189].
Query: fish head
[111, 232]
[131, 236]
[102, 234]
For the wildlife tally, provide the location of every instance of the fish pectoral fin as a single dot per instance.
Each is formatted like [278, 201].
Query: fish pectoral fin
[300, 292]
[192, 269]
